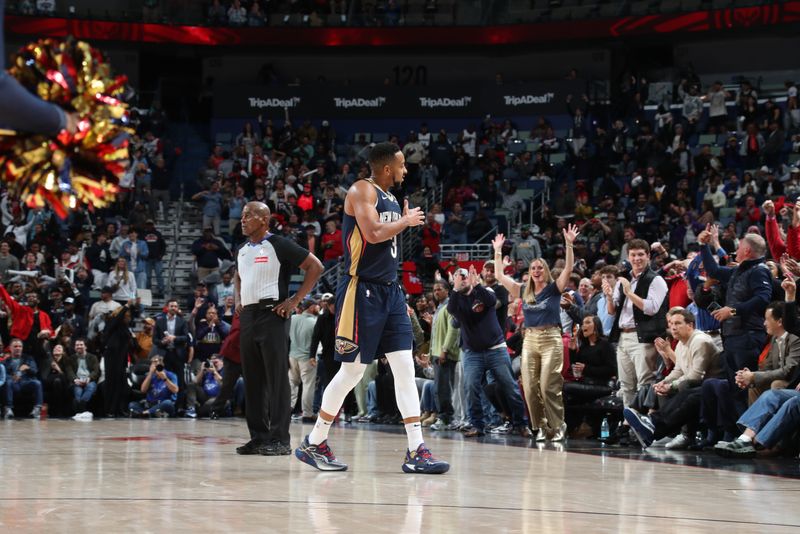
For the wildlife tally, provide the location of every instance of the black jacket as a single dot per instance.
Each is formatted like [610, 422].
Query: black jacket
[748, 290]
[325, 333]
[181, 335]
[99, 257]
[156, 246]
[477, 318]
[600, 360]
[209, 258]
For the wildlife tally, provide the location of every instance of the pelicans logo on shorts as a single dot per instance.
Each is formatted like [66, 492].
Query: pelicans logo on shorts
[344, 346]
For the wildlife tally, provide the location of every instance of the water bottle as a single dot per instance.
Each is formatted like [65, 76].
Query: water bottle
[604, 431]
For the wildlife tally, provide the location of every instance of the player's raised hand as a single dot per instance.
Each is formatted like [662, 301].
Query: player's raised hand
[413, 216]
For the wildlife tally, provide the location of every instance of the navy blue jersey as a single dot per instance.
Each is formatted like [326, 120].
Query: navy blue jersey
[373, 261]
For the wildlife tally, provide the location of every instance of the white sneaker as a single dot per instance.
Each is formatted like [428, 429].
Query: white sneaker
[661, 443]
[439, 425]
[505, 428]
[83, 416]
[541, 435]
[8, 413]
[679, 442]
[457, 426]
[561, 433]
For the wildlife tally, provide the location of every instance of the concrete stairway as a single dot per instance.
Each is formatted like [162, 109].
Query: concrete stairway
[188, 223]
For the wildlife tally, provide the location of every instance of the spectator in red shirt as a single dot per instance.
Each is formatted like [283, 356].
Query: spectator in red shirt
[431, 234]
[29, 323]
[332, 248]
[747, 215]
[258, 166]
[216, 158]
[779, 244]
[306, 200]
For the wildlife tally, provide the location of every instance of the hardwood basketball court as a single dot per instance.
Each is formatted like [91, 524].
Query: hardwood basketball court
[182, 475]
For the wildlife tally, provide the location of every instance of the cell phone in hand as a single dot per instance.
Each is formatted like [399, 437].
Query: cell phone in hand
[714, 306]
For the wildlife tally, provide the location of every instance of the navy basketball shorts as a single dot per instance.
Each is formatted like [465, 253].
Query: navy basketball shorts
[371, 320]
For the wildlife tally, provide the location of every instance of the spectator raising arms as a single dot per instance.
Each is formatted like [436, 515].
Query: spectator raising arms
[542, 349]
[212, 205]
[208, 252]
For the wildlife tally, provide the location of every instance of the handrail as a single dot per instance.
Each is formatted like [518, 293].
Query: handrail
[492, 231]
[173, 259]
[408, 238]
[330, 277]
[544, 195]
[473, 251]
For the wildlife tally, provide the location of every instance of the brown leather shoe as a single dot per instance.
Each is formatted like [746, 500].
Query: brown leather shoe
[429, 420]
[472, 432]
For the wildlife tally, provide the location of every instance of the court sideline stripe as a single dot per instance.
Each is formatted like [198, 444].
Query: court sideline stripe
[404, 505]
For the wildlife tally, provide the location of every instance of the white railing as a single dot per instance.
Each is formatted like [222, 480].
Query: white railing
[469, 251]
[538, 202]
[465, 251]
[409, 238]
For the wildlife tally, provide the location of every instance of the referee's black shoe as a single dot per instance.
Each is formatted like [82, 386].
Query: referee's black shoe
[251, 447]
[276, 448]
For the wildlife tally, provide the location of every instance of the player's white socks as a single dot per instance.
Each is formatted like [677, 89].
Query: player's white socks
[333, 398]
[414, 434]
[405, 390]
[320, 431]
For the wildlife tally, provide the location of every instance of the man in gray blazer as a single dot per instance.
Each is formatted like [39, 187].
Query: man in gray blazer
[775, 414]
[776, 371]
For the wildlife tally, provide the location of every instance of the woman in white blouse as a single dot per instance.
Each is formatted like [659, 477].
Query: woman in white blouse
[122, 282]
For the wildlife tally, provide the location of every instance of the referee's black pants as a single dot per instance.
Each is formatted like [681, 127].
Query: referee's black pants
[265, 368]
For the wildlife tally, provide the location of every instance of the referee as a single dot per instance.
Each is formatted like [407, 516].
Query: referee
[264, 265]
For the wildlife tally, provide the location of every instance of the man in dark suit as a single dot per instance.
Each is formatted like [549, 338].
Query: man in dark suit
[171, 338]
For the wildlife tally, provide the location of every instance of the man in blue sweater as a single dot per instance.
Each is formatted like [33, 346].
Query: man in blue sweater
[483, 348]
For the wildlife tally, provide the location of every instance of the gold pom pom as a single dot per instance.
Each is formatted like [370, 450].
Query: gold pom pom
[79, 168]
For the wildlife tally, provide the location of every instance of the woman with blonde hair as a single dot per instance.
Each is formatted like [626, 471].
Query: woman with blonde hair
[122, 282]
[542, 347]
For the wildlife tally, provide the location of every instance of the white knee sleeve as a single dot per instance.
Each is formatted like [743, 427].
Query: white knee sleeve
[405, 387]
[340, 385]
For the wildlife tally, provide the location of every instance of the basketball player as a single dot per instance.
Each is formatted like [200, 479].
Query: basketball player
[371, 317]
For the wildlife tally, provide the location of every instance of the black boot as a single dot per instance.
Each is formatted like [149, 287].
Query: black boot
[707, 443]
[621, 436]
